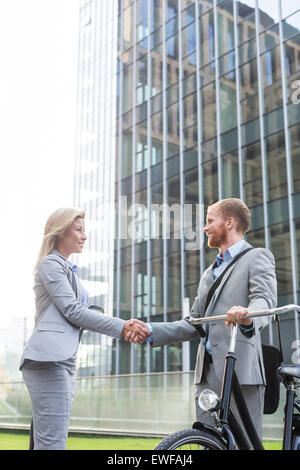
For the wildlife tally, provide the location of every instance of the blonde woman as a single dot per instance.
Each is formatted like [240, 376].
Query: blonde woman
[48, 360]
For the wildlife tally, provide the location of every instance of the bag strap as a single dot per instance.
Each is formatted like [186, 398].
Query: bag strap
[279, 337]
[219, 279]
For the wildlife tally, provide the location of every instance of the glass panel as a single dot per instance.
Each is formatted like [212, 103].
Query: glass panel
[227, 63]
[171, 27]
[172, 47]
[248, 77]
[247, 51]
[207, 74]
[269, 38]
[156, 12]
[210, 180]
[124, 357]
[292, 67]
[208, 111]
[256, 238]
[275, 152]
[188, 15]
[250, 108]
[172, 8]
[189, 84]
[125, 293]
[190, 110]
[157, 288]
[156, 138]
[172, 72]
[174, 283]
[189, 39]
[174, 356]
[190, 136]
[141, 291]
[271, 68]
[173, 199]
[156, 72]
[280, 247]
[128, 27]
[228, 102]
[207, 46]
[127, 88]
[230, 170]
[246, 27]
[126, 168]
[252, 174]
[156, 219]
[192, 269]
[141, 80]
[291, 25]
[173, 129]
[205, 5]
[294, 134]
[141, 148]
[225, 27]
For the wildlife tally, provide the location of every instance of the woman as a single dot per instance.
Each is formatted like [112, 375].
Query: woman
[49, 357]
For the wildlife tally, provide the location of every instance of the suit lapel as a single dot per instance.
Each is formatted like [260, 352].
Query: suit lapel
[205, 285]
[224, 280]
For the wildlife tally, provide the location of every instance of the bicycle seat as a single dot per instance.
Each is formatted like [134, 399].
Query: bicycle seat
[289, 370]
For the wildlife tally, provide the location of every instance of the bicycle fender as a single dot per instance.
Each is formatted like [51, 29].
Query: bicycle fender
[207, 427]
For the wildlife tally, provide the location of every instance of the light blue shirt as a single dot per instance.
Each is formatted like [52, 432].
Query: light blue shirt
[222, 263]
[84, 292]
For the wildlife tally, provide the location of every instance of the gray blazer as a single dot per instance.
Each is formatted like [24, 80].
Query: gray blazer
[60, 317]
[251, 283]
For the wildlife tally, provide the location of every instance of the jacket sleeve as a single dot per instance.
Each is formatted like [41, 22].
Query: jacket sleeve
[262, 287]
[53, 274]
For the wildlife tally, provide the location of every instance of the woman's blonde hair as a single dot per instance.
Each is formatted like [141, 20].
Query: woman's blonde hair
[57, 224]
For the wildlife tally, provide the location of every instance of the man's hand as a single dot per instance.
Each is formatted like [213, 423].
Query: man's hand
[236, 315]
[135, 331]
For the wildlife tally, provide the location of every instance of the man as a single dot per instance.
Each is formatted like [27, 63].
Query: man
[250, 284]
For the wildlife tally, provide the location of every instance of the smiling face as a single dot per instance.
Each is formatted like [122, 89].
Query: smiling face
[216, 228]
[73, 239]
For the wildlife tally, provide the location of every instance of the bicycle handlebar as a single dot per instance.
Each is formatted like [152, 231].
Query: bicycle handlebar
[259, 313]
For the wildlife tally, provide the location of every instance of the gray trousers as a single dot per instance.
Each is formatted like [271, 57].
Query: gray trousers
[51, 388]
[253, 394]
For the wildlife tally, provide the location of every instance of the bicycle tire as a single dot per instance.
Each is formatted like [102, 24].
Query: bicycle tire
[207, 440]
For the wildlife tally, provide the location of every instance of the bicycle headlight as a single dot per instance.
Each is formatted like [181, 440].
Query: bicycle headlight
[208, 400]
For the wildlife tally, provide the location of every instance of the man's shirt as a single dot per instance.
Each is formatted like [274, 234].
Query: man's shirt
[219, 265]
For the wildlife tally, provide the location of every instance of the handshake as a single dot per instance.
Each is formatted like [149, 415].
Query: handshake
[135, 331]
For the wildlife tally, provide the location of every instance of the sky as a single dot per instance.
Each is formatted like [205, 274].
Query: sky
[38, 54]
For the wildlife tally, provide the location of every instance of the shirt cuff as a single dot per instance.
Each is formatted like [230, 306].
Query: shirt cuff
[149, 339]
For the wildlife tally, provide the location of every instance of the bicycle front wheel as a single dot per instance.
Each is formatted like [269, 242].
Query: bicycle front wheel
[191, 439]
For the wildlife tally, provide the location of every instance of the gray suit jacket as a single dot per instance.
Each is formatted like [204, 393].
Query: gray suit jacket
[251, 283]
[60, 317]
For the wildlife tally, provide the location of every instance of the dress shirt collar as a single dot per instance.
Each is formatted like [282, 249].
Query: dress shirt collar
[231, 252]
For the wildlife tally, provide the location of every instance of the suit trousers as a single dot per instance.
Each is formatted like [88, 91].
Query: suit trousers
[51, 388]
[253, 395]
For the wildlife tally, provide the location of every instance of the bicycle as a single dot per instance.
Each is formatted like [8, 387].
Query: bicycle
[227, 434]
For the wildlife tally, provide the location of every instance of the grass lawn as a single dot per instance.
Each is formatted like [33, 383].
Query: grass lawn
[19, 441]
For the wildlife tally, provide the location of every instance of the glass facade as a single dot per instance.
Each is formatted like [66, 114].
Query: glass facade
[95, 170]
[207, 107]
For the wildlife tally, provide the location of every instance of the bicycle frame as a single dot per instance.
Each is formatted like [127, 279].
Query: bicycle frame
[226, 417]
[228, 425]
